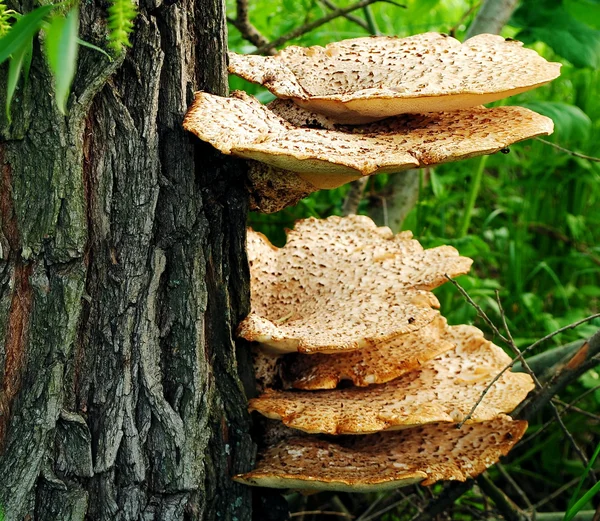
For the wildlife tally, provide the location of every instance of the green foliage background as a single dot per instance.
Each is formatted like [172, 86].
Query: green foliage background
[535, 227]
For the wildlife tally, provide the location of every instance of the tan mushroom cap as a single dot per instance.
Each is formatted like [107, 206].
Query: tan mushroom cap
[341, 284]
[242, 126]
[388, 459]
[370, 365]
[365, 79]
[443, 390]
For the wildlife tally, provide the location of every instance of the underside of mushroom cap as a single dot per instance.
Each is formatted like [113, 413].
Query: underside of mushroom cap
[242, 126]
[375, 364]
[386, 460]
[365, 79]
[341, 284]
[442, 390]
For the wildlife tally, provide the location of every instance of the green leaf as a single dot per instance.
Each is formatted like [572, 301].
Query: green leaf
[89, 45]
[22, 31]
[575, 506]
[61, 50]
[121, 14]
[548, 21]
[572, 124]
[19, 60]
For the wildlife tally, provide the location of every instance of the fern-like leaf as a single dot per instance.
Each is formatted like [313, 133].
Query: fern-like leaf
[5, 16]
[121, 14]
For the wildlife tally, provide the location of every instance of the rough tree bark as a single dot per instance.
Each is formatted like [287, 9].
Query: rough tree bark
[122, 275]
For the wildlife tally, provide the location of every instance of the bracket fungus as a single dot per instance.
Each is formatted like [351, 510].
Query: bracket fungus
[242, 126]
[386, 460]
[364, 79]
[375, 364]
[441, 390]
[345, 299]
[341, 284]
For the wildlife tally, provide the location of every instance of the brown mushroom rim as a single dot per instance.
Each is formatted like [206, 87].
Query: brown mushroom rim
[386, 460]
[341, 284]
[370, 365]
[442, 390]
[243, 127]
[363, 79]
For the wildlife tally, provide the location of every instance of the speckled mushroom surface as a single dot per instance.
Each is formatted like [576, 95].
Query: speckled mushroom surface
[374, 364]
[386, 460]
[341, 284]
[242, 126]
[365, 79]
[443, 390]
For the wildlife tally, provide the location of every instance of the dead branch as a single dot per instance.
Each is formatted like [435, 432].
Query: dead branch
[244, 26]
[350, 17]
[508, 509]
[306, 28]
[567, 151]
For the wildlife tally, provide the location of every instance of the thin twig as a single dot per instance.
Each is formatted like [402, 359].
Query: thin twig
[507, 508]
[556, 234]
[379, 513]
[583, 412]
[370, 508]
[567, 151]
[349, 17]
[519, 356]
[444, 501]
[321, 512]
[452, 30]
[554, 494]
[299, 31]
[484, 316]
[520, 492]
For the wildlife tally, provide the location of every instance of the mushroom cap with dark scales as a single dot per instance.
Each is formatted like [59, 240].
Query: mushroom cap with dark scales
[242, 126]
[342, 284]
[375, 364]
[442, 390]
[365, 79]
[386, 460]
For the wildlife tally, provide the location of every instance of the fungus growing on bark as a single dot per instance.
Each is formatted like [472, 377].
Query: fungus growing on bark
[386, 460]
[242, 126]
[441, 390]
[364, 79]
[273, 189]
[341, 284]
[375, 364]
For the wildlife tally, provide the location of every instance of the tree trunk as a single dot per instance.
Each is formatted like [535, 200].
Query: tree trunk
[122, 277]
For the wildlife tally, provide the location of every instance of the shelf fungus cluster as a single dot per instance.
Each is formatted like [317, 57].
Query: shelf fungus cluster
[370, 105]
[356, 361]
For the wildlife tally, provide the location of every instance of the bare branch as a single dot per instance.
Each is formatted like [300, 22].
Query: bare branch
[244, 26]
[306, 28]
[542, 390]
[520, 492]
[321, 513]
[509, 510]
[567, 151]
[555, 494]
[349, 17]
[587, 357]
[519, 355]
